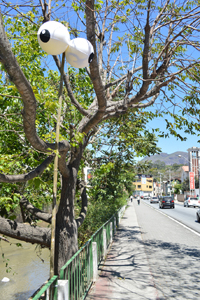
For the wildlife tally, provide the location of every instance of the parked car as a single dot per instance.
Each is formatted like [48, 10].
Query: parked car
[198, 215]
[154, 200]
[191, 201]
[166, 201]
[146, 198]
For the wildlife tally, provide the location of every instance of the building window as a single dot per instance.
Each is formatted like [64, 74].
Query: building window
[139, 186]
[150, 187]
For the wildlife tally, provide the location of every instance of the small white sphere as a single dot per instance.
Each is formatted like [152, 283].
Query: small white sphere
[79, 53]
[53, 37]
[5, 279]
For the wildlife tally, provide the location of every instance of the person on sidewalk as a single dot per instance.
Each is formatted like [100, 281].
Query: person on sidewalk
[138, 201]
[131, 198]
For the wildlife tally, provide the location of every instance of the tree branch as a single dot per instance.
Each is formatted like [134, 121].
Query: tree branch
[4, 239]
[94, 70]
[69, 90]
[24, 232]
[28, 176]
[35, 211]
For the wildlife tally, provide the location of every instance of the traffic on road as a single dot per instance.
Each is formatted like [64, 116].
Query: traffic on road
[187, 215]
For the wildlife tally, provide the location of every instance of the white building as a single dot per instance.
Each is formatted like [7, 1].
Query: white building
[184, 173]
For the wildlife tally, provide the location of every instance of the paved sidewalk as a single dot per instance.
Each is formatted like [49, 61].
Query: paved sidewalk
[125, 274]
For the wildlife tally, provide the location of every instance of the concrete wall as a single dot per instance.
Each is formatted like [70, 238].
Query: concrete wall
[180, 197]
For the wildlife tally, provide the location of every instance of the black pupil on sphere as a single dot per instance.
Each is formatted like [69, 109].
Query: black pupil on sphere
[45, 35]
[91, 57]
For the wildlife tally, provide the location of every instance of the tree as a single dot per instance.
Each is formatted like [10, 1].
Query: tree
[159, 164]
[177, 188]
[185, 185]
[143, 52]
[175, 167]
[110, 186]
[196, 180]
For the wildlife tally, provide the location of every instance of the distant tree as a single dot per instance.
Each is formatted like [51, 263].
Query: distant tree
[159, 164]
[111, 185]
[177, 188]
[185, 185]
[175, 167]
[196, 182]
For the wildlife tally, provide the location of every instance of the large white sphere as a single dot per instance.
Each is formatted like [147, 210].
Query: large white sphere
[79, 53]
[53, 37]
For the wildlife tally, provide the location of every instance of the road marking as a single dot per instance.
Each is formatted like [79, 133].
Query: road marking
[192, 230]
[179, 222]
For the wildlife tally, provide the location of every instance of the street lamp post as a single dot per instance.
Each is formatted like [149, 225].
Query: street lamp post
[160, 184]
[170, 182]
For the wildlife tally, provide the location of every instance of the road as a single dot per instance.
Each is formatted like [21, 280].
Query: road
[186, 215]
[172, 250]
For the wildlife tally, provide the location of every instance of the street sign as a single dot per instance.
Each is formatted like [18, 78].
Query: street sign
[192, 184]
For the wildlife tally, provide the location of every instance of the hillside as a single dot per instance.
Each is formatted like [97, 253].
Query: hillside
[169, 159]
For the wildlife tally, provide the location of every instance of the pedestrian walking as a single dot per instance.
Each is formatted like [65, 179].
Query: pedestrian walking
[131, 198]
[138, 201]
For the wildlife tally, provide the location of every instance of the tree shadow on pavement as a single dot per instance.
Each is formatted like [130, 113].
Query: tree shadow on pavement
[174, 267]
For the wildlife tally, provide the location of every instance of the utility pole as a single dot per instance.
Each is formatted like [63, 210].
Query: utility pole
[190, 168]
[160, 184]
[170, 182]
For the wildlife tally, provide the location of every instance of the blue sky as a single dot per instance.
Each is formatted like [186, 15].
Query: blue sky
[171, 144]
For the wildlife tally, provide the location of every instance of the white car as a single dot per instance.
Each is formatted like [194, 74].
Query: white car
[192, 201]
[154, 200]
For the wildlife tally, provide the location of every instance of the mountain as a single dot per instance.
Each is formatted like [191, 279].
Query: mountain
[169, 159]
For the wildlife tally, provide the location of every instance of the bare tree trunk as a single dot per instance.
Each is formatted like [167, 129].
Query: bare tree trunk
[66, 226]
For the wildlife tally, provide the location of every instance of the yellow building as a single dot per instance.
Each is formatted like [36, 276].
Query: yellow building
[143, 185]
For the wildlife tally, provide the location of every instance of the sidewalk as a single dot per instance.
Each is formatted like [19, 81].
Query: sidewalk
[125, 274]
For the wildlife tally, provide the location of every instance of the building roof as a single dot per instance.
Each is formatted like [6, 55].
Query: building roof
[185, 168]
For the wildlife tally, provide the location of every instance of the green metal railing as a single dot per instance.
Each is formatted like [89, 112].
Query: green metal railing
[79, 272]
[79, 269]
[98, 238]
[48, 291]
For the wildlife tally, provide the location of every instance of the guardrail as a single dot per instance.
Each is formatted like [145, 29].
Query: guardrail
[78, 271]
[49, 291]
[78, 274]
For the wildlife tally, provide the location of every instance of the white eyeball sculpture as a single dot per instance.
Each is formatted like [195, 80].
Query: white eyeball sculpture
[54, 39]
[79, 53]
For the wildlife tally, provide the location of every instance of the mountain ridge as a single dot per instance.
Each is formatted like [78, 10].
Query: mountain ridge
[169, 159]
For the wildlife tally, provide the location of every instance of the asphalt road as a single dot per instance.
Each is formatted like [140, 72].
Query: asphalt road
[172, 250]
[186, 215]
